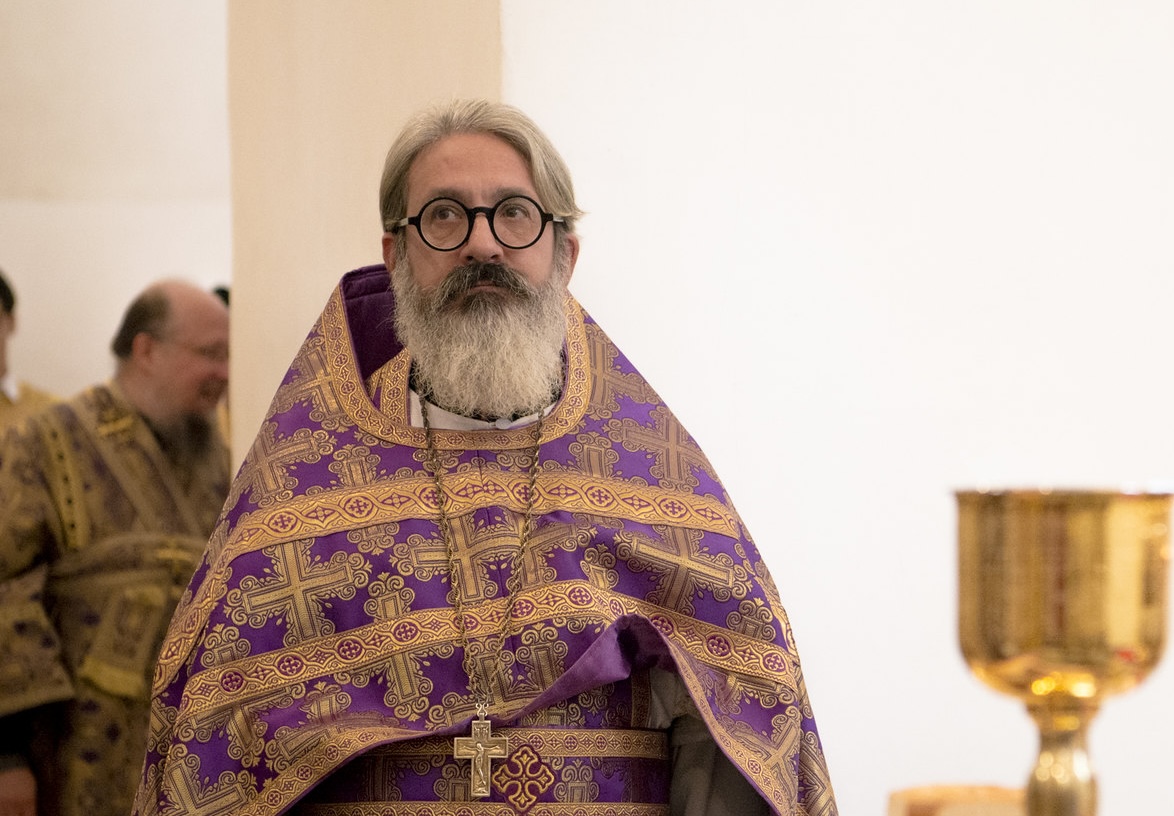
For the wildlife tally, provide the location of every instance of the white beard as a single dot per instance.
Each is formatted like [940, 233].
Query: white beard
[486, 354]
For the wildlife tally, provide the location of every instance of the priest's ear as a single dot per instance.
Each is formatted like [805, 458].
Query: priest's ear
[389, 250]
[143, 347]
[569, 251]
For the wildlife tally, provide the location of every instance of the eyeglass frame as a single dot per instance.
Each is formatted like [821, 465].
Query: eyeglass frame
[212, 353]
[471, 214]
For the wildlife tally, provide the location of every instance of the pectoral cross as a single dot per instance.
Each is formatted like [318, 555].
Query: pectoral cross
[481, 747]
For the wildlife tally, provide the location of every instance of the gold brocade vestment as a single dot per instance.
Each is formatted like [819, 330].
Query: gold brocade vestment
[29, 401]
[98, 538]
[320, 635]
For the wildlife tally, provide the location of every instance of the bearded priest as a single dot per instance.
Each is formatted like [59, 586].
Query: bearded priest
[472, 563]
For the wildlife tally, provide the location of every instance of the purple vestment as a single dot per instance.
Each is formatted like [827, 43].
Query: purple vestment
[320, 627]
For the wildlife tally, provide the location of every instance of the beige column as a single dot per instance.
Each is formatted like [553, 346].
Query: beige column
[317, 91]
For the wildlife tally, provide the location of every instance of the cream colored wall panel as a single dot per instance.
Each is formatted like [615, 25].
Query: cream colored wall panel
[317, 93]
[118, 99]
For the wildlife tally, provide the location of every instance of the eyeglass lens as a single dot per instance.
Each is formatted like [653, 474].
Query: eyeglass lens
[515, 222]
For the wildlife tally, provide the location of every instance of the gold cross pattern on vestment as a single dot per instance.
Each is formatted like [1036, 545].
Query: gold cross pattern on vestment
[481, 747]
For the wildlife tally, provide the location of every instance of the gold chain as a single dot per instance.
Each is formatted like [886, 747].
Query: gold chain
[480, 691]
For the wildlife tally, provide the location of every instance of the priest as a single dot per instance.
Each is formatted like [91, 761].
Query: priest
[472, 563]
[107, 500]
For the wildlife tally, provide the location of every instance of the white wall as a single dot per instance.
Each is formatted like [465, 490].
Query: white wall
[113, 169]
[872, 253]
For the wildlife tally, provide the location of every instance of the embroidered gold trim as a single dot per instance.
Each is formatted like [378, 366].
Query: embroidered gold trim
[355, 402]
[480, 809]
[395, 500]
[233, 683]
[552, 742]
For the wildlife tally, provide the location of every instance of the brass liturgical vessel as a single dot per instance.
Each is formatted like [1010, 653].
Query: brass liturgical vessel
[1062, 601]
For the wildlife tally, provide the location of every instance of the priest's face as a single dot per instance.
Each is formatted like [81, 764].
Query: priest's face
[477, 170]
[190, 364]
[484, 323]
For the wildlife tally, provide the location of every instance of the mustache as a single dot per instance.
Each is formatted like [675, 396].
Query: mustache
[464, 278]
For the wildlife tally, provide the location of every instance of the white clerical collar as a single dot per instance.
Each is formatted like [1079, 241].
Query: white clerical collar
[448, 421]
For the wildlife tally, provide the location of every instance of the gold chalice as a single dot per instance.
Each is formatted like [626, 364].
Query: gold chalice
[1062, 601]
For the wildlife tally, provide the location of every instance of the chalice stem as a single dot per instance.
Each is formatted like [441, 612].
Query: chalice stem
[1062, 783]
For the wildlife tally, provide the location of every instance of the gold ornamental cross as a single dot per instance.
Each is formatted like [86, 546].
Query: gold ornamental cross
[676, 454]
[481, 747]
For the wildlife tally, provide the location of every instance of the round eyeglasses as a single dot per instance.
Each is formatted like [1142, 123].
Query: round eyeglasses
[445, 224]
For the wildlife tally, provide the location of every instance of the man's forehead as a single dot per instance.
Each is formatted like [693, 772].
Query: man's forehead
[469, 166]
[194, 315]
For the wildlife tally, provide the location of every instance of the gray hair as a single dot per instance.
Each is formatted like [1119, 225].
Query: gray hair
[552, 179]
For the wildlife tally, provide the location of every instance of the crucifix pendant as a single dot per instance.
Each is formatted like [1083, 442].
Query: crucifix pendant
[481, 747]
